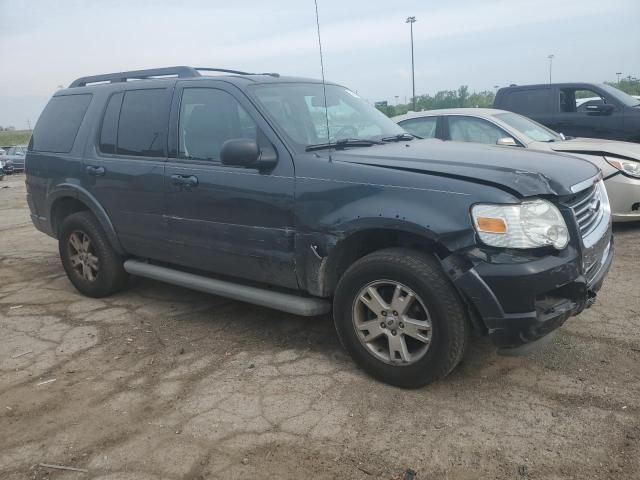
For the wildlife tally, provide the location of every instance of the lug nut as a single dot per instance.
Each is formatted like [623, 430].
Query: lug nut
[382, 325]
[395, 313]
[401, 325]
[393, 332]
[383, 313]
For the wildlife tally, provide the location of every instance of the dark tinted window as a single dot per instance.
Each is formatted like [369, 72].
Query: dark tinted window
[208, 118]
[143, 123]
[529, 101]
[109, 130]
[424, 127]
[59, 123]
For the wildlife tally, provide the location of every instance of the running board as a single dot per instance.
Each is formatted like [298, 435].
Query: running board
[286, 302]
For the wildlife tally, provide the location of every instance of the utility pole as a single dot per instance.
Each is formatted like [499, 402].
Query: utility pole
[550, 57]
[411, 21]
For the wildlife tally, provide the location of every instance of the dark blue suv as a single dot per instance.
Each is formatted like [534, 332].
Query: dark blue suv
[300, 196]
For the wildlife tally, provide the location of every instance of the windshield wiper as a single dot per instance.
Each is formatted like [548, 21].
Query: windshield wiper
[399, 137]
[342, 143]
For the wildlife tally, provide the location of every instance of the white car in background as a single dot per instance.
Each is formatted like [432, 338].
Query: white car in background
[619, 161]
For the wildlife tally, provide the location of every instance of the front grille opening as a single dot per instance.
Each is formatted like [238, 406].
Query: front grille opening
[587, 209]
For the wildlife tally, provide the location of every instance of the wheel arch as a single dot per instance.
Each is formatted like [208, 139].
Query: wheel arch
[68, 199]
[326, 257]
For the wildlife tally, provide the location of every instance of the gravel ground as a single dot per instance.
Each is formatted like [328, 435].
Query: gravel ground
[160, 382]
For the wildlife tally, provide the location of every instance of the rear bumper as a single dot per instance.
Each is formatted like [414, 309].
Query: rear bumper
[522, 302]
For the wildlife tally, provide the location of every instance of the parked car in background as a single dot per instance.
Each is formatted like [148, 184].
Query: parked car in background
[2, 156]
[298, 195]
[619, 161]
[15, 156]
[607, 113]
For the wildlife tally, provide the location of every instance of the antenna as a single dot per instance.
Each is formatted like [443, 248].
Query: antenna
[324, 87]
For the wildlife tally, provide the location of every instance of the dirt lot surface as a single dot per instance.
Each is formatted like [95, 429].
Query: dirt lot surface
[164, 383]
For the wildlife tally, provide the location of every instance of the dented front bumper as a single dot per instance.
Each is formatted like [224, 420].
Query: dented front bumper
[520, 299]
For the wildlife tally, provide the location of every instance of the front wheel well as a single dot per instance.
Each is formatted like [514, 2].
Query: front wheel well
[62, 208]
[362, 243]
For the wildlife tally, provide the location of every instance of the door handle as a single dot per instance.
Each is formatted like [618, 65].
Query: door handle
[185, 180]
[95, 171]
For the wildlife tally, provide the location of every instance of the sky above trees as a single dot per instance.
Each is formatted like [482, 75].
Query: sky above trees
[44, 44]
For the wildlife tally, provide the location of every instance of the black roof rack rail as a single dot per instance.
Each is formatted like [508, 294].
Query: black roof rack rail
[236, 72]
[180, 72]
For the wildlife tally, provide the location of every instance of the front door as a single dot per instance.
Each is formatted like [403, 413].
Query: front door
[228, 220]
[579, 115]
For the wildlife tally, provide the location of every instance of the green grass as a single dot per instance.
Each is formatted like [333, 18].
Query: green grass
[14, 137]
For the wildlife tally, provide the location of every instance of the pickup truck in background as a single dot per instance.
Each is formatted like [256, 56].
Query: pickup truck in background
[607, 113]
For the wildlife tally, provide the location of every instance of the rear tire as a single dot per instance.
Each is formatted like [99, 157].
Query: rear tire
[91, 263]
[399, 317]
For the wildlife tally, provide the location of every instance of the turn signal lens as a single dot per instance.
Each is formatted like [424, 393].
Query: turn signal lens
[491, 225]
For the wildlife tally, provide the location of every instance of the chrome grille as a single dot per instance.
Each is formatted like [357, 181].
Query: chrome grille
[587, 208]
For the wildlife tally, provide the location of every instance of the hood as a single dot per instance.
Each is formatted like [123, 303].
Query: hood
[520, 171]
[599, 147]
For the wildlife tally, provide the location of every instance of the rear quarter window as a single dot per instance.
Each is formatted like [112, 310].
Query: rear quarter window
[59, 123]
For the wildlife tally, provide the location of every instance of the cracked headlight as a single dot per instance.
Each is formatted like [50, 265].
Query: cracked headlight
[530, 224]
[630, 167]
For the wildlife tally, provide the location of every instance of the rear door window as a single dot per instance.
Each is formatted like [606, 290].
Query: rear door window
[109, 129]
[531, 101]
[424, 127]
[59, 123]
[143, 123]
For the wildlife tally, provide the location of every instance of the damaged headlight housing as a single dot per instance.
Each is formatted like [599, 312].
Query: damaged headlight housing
[630, 167]
[530, 224]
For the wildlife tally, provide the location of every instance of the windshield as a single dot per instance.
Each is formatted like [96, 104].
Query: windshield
[626, 100]
[529, 128]
[299, 110]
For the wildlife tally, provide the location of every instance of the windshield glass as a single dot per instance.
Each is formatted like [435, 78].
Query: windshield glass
[626, 100]
[298, 108]
[529, 128]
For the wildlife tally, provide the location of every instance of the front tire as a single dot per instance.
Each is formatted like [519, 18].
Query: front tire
[91, 263]
[399, 317]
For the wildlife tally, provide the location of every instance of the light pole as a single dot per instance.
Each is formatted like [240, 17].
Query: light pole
[411, 21]
[550, 57]
[618, 74]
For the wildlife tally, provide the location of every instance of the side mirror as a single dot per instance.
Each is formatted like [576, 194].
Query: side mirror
[507, 142]
[603, 109]
[244, 152]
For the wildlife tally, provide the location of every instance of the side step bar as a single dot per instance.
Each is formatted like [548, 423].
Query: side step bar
[286, 302]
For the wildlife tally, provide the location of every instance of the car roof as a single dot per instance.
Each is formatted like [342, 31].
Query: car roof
[476, 112]
[545, 85]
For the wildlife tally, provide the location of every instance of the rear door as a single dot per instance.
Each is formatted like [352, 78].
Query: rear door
[225, 219]
[124, 166]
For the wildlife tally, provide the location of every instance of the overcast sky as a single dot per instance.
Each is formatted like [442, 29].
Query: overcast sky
[46, 43]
